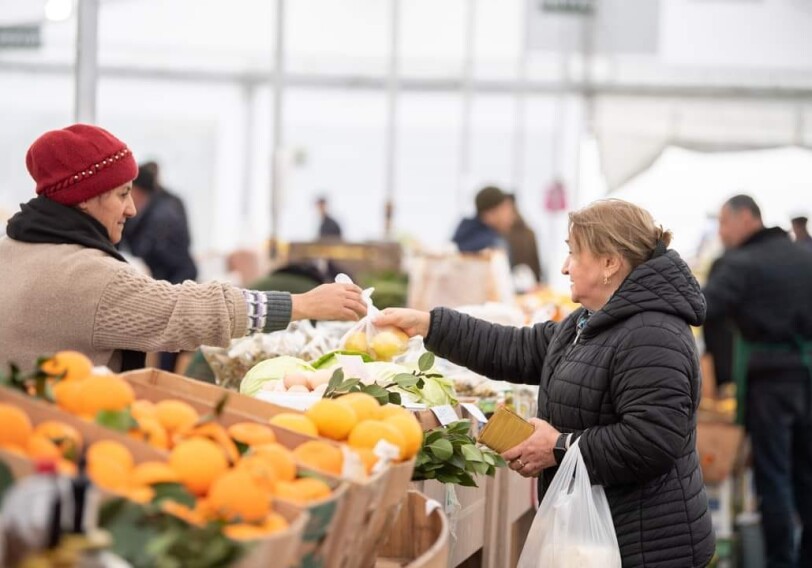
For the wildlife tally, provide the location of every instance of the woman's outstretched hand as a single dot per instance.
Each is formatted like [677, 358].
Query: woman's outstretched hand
[412, 322]
[340, 302]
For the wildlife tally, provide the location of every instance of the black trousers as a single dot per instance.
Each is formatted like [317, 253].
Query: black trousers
[779, 421]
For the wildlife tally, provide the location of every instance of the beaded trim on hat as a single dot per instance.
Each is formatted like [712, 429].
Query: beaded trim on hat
[86, 173]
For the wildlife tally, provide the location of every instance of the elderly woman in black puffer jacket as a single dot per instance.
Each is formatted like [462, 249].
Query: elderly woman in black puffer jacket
[621, 374]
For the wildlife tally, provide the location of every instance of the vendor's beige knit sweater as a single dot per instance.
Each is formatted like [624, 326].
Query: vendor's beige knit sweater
[65, 296]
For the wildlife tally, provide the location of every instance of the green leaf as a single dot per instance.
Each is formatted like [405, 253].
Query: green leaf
[380, 393]
[336, 379]
[442, 449]
[221, 405]
[395, 398]
[405, 380]
[472, 453]
[120, 420]
[479, 467]
[426, 361]
[241, 447]
[173, 492]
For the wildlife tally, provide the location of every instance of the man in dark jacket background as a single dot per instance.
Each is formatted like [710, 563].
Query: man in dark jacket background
[159, 235]
[763, 285]
[495, 215]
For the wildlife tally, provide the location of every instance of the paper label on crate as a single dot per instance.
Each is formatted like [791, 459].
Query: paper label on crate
[445, 414]
[474, 410]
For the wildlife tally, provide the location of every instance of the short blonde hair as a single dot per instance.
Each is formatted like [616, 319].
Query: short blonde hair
[614, 226]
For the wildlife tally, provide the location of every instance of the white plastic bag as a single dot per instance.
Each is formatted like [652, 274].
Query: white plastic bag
[382, 344]
[573, 527]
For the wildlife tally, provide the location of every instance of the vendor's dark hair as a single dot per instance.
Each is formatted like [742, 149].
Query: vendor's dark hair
[744, 202]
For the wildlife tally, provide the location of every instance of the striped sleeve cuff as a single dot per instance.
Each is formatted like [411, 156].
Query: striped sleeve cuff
[280, 307]
[267, 311]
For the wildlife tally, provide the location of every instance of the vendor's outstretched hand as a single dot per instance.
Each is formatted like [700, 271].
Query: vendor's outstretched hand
[412, 322]
[329, 302]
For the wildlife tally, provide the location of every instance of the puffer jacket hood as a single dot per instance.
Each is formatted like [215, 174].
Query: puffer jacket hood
[664, 284]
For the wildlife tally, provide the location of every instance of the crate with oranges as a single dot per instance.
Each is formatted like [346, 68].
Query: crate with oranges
[238, 497]
[372, 502]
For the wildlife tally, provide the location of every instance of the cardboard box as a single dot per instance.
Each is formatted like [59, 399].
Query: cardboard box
[719, 446]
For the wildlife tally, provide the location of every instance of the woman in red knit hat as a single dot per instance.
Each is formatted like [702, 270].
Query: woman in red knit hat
[65, 286]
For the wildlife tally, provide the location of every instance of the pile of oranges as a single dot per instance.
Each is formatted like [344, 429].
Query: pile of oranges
[358, 420]
[234, 473]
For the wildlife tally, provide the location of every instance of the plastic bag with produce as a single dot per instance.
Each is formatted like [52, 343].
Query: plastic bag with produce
[380, 343]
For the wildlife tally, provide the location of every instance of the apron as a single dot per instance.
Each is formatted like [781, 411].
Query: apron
[742, 352]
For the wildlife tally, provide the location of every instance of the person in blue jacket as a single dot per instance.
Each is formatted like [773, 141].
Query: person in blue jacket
[495, 215]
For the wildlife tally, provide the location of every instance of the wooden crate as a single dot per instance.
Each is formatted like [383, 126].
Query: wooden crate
[282, 545]
[367, 504]
[418, 537]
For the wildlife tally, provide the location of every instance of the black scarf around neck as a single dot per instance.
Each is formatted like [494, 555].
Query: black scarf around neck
[42, 220]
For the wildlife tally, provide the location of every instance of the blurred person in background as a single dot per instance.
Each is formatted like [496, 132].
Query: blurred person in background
[620, 375]
[800, 232]
[495, 215]
[66, 286]
[159, 235]
[329, 229]
[522, 243]
[763, 285]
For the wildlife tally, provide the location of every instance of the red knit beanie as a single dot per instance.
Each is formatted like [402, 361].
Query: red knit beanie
[79, 162]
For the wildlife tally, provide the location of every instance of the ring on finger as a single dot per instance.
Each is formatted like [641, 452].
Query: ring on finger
[520, 462]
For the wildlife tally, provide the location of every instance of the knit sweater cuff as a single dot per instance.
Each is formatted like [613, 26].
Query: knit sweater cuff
[280, 307]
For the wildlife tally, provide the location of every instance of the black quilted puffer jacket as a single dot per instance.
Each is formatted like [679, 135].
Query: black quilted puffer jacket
[629, 386]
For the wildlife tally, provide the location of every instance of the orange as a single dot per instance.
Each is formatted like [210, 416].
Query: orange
[303, 490]
[112, 451]
[41, 448]
[388, 410]
[274, 523]
[320, 456]
[332, 418]
[296, 422]
[74, 365]
[279, 457]
[198, 462]
[366, 407]
[412, 433]
[251, 433]
[150, 431]
[236, 496]
[104, 392]
[66, 467]
[142, 495]
[14, 449]
[175, 415]
[368, 458]
[15, 426]
[68, 396]
[143, 408]
[217, 434]
[191, 516]
[66, 437]
[108, 474]
[369, 432]
[152, 472]
[260, 469]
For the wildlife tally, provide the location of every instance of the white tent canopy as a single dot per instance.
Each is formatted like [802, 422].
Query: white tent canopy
[684, 188]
